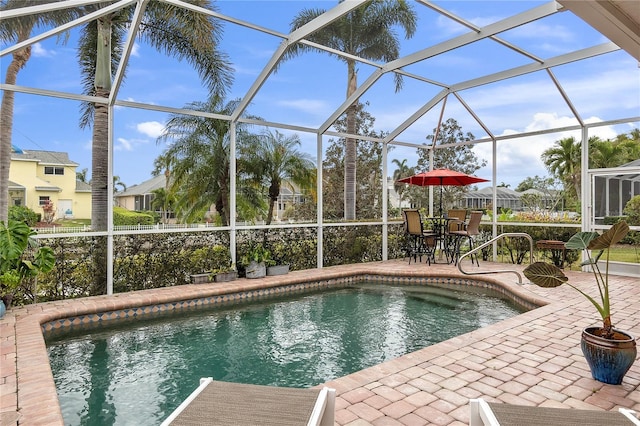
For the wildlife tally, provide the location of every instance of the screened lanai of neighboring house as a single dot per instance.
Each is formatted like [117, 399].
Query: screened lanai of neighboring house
[612, 190]
[483, 198]
[510, 58]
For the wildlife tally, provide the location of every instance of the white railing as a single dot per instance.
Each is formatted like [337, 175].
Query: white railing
[156, 227]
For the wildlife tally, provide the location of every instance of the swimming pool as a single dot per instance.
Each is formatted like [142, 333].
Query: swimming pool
[142, 370]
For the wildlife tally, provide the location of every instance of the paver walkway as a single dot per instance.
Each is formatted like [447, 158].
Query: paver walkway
[531, 359]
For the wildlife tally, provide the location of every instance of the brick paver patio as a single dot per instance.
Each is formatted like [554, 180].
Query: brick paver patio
[532, 359]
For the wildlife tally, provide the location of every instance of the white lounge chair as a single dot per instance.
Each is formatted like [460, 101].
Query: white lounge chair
[232, 404]
[485, 413]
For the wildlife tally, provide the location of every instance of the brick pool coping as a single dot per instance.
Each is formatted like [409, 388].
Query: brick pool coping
[531, 359]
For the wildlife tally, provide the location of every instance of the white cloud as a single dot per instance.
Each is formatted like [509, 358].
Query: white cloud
[520, 158]
[38, 51]
[307, 105]
[123, 144]
[152, 129]
[135, 50]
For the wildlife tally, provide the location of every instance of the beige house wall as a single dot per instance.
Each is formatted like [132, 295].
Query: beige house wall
[127, 202]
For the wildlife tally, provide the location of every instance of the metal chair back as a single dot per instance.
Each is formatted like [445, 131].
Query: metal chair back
[412, 222]
[473, 227]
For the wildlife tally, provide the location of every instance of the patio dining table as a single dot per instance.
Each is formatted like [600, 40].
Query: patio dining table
[440, 226]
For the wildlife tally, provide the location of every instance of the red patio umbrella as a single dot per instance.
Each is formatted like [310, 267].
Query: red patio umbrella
[441, 177]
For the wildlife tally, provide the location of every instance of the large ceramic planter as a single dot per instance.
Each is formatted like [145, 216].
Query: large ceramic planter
[608, 359]
[256, 270]
[277, 270]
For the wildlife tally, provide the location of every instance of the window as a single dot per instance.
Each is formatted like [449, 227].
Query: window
[43, 200]
[50, 170]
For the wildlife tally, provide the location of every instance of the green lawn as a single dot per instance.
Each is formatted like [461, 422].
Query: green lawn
[71, 223]
[625, 253]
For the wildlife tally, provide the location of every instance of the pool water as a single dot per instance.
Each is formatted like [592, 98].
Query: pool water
[140, 372]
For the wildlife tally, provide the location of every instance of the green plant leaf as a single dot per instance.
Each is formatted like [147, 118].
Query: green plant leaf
[545, 275]
[581, 240]
[610, 237]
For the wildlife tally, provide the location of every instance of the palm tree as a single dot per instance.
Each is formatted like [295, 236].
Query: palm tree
[606, 153]
[82, 175]
[365, 32]
[198, 156]
[117, 183]
[401, 171]
[18, 30]
[274, 159]
[563, 161]
[182, 33]
[186, 35]
[162, 200]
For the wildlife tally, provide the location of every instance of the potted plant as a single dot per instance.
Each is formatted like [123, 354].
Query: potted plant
[254, 261]
[16, 262]
[609, 352]
[224, 273]
[208, 261]
[278, 264]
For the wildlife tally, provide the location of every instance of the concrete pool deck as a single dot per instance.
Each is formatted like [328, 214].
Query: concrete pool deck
[531, 359]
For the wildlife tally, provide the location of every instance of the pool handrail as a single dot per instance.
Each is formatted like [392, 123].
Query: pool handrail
[491, 241]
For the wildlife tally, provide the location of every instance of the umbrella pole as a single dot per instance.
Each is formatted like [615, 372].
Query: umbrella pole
[441, 197]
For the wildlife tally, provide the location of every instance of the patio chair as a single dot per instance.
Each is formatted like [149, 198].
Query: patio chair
[457, 218]
[483, 413]
[231, 404]
[420, 242]
[456, 222]
[469, 231]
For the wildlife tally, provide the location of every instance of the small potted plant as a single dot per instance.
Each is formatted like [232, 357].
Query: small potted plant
[209, 260]
[224, 273]
[609, 352]
[255, 260]
[16, 264]
[278, 264]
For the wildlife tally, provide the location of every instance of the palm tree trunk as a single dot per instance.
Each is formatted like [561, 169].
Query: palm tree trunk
[20, 58]
[100, 155]
[99, 192]
[350, 149]
[274, 191]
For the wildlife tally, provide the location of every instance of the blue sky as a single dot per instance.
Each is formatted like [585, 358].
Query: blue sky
[306, 90]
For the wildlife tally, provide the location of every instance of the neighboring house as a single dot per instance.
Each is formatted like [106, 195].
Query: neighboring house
[139, 197]
[612, 191]
[394, 197]
[505, 198]
[38, 177]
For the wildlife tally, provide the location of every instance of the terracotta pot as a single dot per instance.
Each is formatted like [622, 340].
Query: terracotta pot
[608, 359]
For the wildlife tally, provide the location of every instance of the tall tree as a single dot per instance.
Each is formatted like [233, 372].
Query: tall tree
[563, 161]
[368, 161]
[275, 160]
[163, 201]
[459, 157]
[18, 30]
[606, 153]
[367, 32]
[198, 157]
[82, 175]
[179, 32]
[402, 170]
